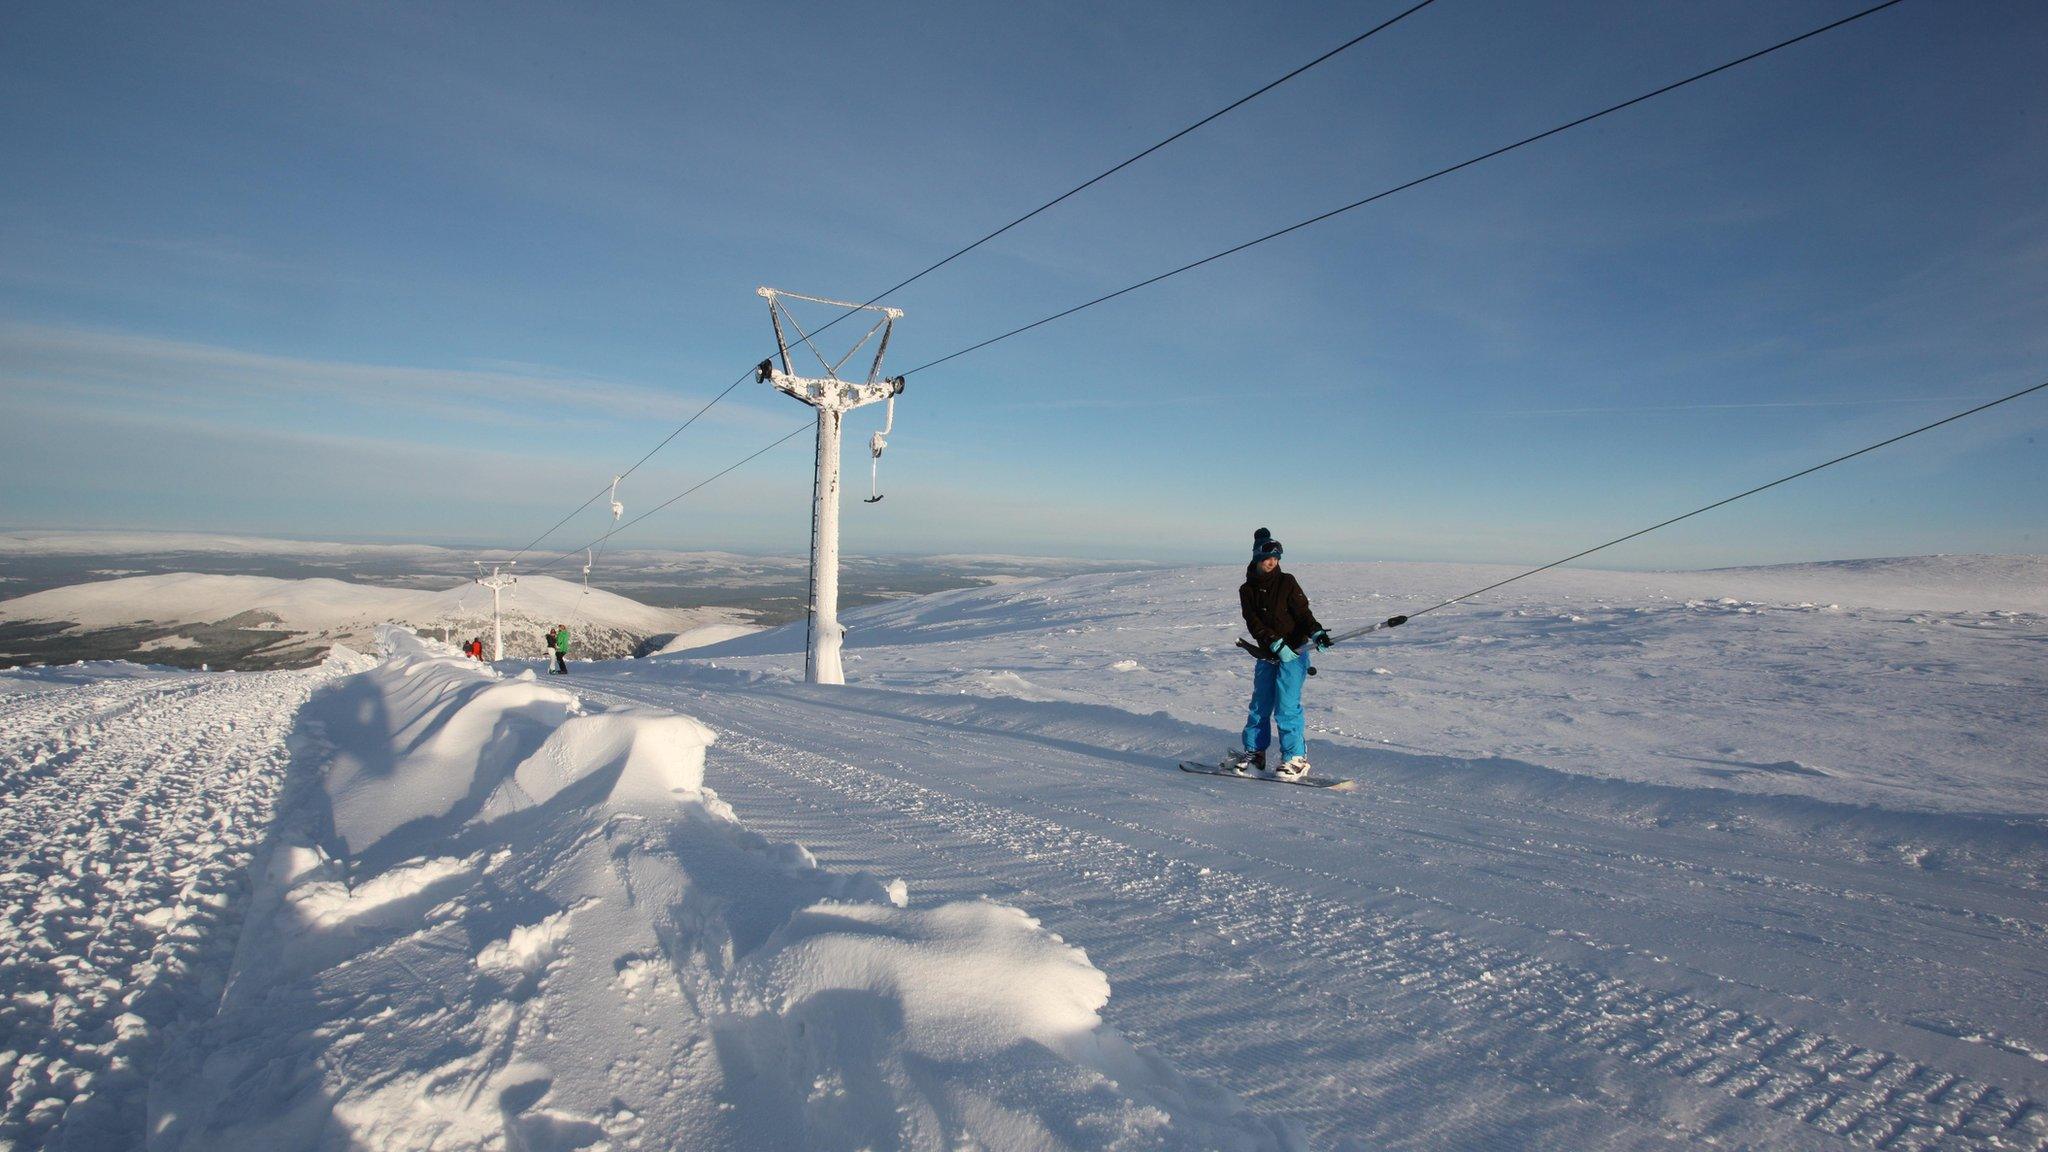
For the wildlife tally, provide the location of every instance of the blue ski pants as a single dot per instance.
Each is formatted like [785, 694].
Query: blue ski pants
[1276, 700]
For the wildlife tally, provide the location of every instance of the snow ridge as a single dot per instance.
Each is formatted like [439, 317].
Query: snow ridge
[495, 915]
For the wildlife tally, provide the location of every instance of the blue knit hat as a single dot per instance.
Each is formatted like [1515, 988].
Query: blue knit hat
[1263, 545]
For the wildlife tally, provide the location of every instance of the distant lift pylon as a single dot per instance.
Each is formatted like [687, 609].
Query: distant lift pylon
[833, 398]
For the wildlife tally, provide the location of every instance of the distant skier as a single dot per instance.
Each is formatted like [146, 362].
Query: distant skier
[1277, 612]
[561, 646]
[547, 646]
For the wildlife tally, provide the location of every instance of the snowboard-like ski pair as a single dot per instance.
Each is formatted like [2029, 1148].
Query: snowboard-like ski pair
[1331, 783]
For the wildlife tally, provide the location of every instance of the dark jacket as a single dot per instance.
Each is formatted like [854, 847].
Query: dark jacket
[1275, 608]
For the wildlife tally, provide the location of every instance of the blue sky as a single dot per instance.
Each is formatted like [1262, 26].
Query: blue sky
[435, 272]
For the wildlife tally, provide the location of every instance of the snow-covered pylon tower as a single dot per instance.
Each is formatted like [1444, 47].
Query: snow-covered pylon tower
[497, 582]
[833, 398]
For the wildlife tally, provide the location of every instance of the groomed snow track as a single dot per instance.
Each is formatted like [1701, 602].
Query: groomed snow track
[1407, 967]
[129, 812]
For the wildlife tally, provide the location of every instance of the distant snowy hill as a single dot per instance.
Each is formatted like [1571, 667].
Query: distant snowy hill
[2011, 583]
[282, 621]
[57, 543]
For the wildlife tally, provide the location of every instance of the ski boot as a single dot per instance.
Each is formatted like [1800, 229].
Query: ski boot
[1294, 769]
[1244, 763]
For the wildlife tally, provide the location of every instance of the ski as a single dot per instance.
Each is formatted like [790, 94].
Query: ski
[1331, 783]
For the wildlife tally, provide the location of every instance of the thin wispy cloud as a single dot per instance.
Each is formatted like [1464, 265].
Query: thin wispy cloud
[1632, 409]
[116, 366]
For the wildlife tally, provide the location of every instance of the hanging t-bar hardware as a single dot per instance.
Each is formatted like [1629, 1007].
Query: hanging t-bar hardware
[833, 398]
[879, 441]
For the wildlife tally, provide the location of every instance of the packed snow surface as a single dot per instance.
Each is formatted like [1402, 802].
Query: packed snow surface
[1747, 859]
[132, 802]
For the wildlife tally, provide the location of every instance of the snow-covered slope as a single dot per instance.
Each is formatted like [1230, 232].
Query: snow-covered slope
[1908, 683]
[493, 917]
[132, 802]
[1740, 859]
[1746, 859]
[323, 612]
[705, 636]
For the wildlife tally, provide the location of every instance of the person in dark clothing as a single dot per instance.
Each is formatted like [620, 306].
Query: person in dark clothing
[1282, 624]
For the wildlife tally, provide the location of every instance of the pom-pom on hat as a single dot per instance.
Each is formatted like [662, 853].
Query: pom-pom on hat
[1263, 545]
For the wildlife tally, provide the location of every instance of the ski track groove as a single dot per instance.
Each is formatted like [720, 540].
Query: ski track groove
[1577, 859]
[1244, 1007]
[133, 809]
[1866, 1096]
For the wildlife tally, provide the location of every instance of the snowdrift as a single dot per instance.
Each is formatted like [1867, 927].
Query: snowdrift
[492, 916]
[705, 636]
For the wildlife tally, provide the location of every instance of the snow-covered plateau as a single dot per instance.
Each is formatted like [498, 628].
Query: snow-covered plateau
[271, 621]
[1748, 858]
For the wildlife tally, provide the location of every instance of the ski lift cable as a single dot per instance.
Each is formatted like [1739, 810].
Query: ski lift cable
[1055, 201]
[1395, 621]
[613, 487]
[1446, 171]
[806, 426]
[1133, 159]
[806, 336]
[1441, 172]
[878, 326]
[594, 553]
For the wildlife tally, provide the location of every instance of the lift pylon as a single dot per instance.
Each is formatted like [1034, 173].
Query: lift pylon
[497, 582]
[833, 398]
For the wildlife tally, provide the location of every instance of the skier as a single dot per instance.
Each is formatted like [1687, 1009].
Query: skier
[562, 649]
[547, 646]
[1277, 612]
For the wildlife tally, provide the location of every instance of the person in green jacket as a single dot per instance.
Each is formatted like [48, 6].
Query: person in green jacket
[562, 649]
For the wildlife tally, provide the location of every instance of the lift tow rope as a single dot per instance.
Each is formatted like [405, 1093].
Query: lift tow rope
[1416, 182]
[1077, 189]
[1397, 621]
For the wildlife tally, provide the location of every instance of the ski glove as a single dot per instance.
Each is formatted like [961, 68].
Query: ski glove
[1322, 638]
[1287, 655]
